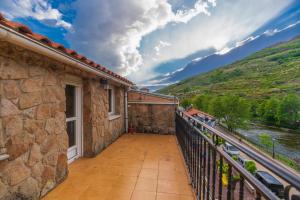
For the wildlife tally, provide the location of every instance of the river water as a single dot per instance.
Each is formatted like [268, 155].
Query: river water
[286, 143]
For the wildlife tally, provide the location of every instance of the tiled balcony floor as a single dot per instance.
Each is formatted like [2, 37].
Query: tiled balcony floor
[135, 167]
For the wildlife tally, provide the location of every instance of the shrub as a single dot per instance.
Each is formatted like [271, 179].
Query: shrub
[250, 166]
[235, 157]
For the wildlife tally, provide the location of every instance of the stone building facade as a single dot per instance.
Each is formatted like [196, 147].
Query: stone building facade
[151, 113]
[33, 130]
[96, 120]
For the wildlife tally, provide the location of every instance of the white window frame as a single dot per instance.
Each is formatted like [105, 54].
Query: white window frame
[79, 119]
[112, 115]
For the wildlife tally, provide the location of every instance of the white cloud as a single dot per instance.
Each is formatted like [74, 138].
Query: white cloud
[213, 2]
[229, 22]
[171, 73]
[38, 9]
[271, 32]
[274, 31]
[223, 51]
[157, 84]
[111, 31]
[249, 39]
[186, 15]
[161, 45]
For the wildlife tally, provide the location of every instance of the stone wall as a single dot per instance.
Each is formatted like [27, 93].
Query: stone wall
[33, 122]
[99, 131]
[140, 96]
[151, 113]
[149, 118]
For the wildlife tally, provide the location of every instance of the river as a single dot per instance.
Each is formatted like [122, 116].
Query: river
[286, 143]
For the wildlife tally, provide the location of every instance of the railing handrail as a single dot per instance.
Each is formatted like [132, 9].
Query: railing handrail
[264, 191]
[279, 170]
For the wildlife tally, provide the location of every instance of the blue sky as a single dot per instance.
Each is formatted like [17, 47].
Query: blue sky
[138, 38]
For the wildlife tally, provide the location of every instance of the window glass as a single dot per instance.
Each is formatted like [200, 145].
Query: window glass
[70, 101]
[110, 99]
[71, 133]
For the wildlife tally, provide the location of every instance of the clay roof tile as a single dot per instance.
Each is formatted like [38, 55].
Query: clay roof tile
[71, 52]
[21, 28]
[41, 38]
[58, 46]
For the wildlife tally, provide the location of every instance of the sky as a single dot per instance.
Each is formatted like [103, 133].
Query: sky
[137, 37]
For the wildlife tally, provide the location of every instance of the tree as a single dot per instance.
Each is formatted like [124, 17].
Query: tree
[261, 110]
[202, 102]
[234, 111]
[254, 108]
[216, 108]
[289, 111]
[186, 103]
[270, 111]
[266, 140]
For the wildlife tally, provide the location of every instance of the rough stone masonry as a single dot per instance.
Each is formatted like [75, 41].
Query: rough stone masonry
[33, 121]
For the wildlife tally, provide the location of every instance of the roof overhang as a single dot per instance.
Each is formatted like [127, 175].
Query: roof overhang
[12, 36]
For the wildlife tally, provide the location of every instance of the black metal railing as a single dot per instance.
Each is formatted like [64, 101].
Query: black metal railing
[214, 174]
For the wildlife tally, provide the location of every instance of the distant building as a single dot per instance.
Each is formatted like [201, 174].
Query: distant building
[201, 116]
[145, 89]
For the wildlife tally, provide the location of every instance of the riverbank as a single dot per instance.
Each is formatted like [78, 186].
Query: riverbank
[288, 157]
[259, 124]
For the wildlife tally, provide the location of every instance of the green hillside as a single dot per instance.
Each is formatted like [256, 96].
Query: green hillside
[273, 71]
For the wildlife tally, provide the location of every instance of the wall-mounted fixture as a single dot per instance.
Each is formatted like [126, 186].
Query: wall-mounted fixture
[104, 83]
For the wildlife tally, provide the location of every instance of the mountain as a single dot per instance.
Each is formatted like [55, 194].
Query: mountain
[176, 64]
[271, 71]
[246, 48]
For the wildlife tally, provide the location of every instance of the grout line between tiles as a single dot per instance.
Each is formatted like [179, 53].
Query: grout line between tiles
[138, 175]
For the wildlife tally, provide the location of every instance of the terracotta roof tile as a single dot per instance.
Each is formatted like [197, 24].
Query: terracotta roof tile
[94, 64]
[71, 52]
[193, 111]
[21, 28]
[83, 58]
[40, 38]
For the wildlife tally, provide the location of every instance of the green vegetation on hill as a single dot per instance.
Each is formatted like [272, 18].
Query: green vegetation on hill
[274, 71]
[264, 87]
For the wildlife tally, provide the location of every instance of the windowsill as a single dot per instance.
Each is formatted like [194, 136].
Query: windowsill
[113, 117]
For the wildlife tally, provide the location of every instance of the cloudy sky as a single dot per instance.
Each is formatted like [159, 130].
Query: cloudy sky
[135, 37]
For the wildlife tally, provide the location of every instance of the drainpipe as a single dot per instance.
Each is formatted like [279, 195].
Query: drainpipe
[18, 39]
[126, 109]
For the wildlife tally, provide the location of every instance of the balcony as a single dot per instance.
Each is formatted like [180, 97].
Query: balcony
[190, 165]
[135, 167]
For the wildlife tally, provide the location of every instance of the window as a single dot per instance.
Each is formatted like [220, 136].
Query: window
[111, 101]
[71, 113]
[113, 96]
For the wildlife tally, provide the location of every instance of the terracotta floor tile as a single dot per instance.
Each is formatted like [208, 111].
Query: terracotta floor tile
[173, 187]
[150, 164]
[143, 195]
[125, 182]
[149, 173]
[130, 171]
[146, 184]
[172, 175]
[119, 194]
[94, 192]
[165, 196]
[135, 167]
